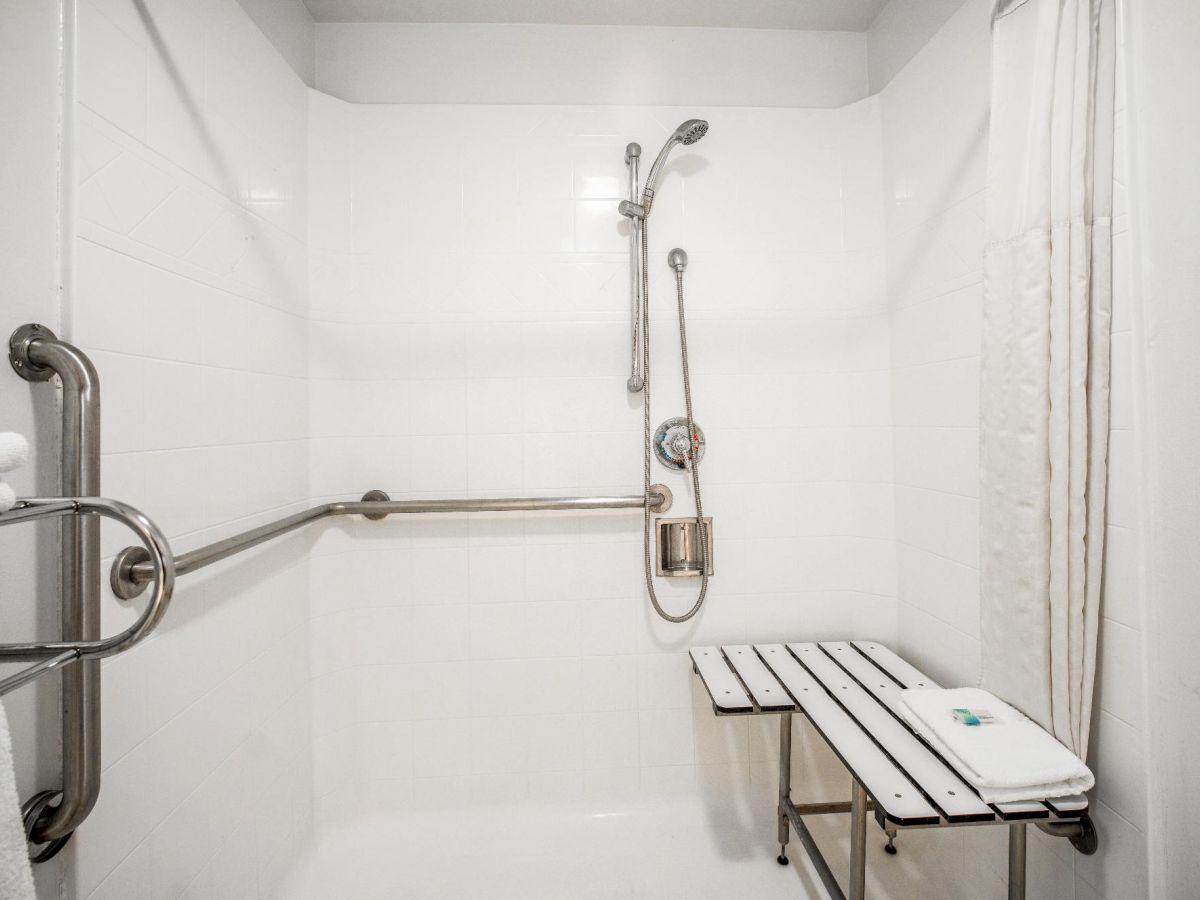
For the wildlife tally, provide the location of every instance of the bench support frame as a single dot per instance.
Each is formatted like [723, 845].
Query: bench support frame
[792, 815]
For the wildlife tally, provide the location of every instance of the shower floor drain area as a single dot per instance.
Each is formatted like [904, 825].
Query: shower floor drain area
[714, 848]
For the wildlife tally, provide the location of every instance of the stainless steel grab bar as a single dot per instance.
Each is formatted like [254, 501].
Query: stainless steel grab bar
[160, 563]
[36, 354]
[48, 813]
[37, 670]
[132, 568]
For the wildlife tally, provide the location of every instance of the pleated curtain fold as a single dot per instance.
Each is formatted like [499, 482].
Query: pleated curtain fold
[1044, 392]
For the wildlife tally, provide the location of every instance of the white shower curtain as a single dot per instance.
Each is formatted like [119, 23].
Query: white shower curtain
[1045, 367]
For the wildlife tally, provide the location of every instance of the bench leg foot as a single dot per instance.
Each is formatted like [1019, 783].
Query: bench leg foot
[785, 783]
[890, 846]
[1016, 861]
[858, 843]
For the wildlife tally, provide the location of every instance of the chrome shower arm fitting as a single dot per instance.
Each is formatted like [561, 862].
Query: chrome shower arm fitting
[677, 259]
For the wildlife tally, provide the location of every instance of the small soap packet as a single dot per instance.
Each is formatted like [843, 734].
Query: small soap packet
[973, 716]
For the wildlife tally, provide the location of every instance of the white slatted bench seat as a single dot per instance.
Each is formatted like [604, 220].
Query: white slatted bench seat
[850, 691]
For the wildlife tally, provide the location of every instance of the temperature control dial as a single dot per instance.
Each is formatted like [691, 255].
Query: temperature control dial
[672, 444]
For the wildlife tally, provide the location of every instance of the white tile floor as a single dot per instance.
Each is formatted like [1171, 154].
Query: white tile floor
[667, 850]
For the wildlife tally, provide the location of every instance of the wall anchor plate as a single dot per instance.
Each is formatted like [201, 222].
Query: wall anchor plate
[671, 443]
[18, 352]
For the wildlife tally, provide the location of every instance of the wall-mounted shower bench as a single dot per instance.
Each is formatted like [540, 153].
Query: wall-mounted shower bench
[850, 691]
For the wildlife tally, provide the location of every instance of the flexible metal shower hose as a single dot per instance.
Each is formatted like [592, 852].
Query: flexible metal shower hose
[647, 437]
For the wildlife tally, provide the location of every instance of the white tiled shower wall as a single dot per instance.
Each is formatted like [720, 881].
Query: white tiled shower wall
[190, 295]
[1162, 74]
[466, 334]
[470, 337]
[935, 161]
[30, 59]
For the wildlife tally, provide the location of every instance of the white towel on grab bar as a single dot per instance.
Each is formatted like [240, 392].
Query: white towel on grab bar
[14, 451]
[16, 879]
[1008, 759]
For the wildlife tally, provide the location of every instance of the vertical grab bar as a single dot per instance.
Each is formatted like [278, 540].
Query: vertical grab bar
[37, 354]
[633, 153]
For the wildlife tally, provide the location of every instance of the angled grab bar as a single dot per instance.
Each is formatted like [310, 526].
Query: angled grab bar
[132, 569]
[37, 670]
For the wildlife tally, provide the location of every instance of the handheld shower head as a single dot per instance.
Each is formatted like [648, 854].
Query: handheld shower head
[691, 131]
[687, 134]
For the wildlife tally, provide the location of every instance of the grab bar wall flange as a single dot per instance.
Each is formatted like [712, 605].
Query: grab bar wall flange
[18, 352]
[131, 569]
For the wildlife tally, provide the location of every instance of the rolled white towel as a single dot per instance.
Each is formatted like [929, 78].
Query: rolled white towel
[8, 496]
[1007, 759]
[14, 451]
[16, 879]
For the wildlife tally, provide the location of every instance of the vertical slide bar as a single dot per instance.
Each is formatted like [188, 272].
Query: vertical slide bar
[785, 782]
[633, 153]
[80, 583]
[1016, 861]
[858, 843]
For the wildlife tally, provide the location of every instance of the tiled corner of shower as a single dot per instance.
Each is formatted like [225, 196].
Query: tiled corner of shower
[188, 289]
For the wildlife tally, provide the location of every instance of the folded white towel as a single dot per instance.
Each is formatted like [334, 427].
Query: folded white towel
[16, 879]
[14, 451]
[7, 497]
[1008, 759]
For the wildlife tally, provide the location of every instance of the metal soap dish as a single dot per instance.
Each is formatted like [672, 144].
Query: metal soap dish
[678, 549]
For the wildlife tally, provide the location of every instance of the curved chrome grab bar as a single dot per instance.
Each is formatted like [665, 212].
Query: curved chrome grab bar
[53, 654]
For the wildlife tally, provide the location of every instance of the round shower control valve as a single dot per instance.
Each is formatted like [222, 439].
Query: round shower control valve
[672, 441]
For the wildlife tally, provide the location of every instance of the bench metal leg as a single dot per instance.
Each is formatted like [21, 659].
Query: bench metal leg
[814, 854]
[858, 843]
[1016, 862]
[785, 783]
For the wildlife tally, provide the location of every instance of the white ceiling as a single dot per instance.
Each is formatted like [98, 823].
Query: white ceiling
[809, 15]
